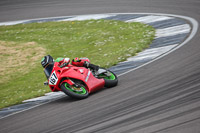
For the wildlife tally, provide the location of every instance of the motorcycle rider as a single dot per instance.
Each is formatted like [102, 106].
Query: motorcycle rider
[81, 62]
[84, 62]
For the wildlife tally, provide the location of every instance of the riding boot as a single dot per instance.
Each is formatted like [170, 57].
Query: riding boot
[91, 66]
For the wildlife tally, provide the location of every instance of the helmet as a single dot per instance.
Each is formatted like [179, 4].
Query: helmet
[76, 59]
[46, 60]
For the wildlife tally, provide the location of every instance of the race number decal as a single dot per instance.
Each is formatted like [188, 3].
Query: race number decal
[53, 79]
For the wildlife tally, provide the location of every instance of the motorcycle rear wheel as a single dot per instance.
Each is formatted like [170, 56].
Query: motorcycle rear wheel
[75, 92]
[110, 81]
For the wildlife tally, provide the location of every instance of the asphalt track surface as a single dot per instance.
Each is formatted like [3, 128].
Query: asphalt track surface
[163, 96]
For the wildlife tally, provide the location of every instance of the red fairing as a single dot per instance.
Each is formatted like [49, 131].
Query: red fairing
[73, 72]
[85, 75]
[95, 84]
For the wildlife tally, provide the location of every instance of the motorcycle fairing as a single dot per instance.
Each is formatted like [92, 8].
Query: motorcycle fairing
[69, 72]
[85, 75]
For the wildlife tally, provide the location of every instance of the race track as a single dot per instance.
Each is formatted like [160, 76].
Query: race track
[161, 97]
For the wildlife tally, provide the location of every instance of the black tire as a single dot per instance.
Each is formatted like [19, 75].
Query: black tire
[110, 81]
[70, 91]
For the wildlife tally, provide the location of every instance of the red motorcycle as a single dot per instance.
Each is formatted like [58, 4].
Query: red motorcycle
[76, 82]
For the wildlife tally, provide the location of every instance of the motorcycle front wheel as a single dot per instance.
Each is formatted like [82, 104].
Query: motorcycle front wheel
[75, 92]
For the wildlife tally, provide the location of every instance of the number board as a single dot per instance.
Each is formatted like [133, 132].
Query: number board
[53, 79]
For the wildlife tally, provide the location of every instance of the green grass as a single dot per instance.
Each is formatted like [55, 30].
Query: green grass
[104, 42]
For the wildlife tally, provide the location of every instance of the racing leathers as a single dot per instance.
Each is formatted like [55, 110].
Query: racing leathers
[81, 62]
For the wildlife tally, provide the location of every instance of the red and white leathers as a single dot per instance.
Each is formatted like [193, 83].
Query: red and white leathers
[76, 61]
[64, 60]
[80, 61]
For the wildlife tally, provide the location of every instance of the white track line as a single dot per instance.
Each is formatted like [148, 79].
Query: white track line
[150, 19]
[151, 53]
[48, 96]
[11, 23]
[171, 31]
[88, 17]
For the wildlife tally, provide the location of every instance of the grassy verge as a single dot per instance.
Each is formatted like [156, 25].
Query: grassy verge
[104, 42]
